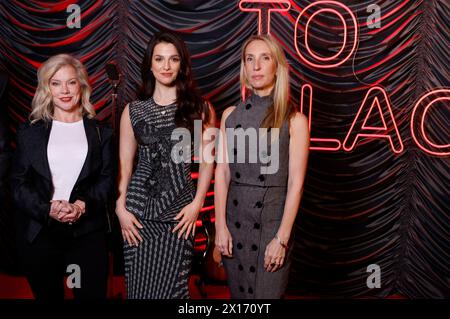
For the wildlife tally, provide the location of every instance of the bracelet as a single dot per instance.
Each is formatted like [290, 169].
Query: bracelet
[282, 243]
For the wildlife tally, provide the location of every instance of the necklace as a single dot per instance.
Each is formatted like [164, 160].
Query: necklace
[163, 103]
[161, 106]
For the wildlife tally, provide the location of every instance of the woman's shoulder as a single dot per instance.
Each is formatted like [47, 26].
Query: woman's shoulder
[24, 126]
[228, 111]
[298, 118]
[30, 126]
[226, 114]
[139, 106]
[29, 132]
[298, 122]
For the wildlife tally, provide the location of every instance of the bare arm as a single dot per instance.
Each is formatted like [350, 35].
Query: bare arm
[127, 152]
[189, 214]
[298, 159]
[222, 182]
[206, 169]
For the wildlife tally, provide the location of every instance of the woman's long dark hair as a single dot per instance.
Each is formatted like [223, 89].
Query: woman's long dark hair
[190, 105]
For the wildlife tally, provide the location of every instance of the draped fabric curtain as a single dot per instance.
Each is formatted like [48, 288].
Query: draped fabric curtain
[368, 206]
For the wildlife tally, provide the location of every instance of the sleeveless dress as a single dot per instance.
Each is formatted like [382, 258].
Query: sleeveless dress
[158, 190]
[255, 204]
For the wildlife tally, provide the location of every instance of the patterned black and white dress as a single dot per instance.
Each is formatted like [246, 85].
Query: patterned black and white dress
[158, 190]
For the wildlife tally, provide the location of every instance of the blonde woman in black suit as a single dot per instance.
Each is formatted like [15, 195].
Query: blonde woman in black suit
[62, 176]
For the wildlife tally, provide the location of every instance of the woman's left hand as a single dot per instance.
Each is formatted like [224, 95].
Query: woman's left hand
[188, 216]
[274, 256]
[75, 211]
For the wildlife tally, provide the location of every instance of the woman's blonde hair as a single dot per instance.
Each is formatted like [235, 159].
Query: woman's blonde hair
[42, 103]
[281, 109]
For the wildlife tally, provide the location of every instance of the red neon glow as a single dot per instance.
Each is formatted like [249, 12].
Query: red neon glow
[355, 26]
[349, 143]
[422, 122]
[207, 208]
[375, 128]
[416, 112]
[243, 93]
[307, 89]
[341, 17]
[260, 10]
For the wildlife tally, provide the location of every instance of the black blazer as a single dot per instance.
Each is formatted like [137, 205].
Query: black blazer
[32, 186]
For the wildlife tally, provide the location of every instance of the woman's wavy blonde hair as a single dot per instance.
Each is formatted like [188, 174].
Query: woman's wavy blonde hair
[281, 109]
[42, 104]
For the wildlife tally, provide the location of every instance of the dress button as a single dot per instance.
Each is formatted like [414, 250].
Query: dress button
[238, 175]
[250, 290]
[237, 224]
[240, 267]
[238, 126]
[259, 204]
[256, 226]
[248, 106]
[254, 247]
[252, 269]
[261, 178]
[241, 289]
[235, 202]
[239, 246]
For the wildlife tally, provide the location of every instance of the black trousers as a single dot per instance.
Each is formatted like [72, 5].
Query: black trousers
[57, 258]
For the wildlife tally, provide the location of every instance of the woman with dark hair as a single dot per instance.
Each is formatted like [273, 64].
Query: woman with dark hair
[157, 205]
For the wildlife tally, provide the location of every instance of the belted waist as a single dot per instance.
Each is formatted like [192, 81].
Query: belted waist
[235, 183]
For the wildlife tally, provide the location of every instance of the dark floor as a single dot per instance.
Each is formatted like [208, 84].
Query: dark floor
[16, 287]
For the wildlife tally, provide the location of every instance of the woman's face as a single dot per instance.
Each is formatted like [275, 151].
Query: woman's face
[166, 63]
[65, 89]
[260, 67]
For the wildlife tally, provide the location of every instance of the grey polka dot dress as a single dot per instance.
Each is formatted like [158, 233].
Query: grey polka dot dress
[158, 190]
[255, 204]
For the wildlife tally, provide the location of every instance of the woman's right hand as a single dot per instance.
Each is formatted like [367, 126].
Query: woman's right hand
[129, 224]
[224, 242]
[59, 209]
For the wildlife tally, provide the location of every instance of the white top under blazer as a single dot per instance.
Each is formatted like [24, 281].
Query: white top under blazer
[67, 150]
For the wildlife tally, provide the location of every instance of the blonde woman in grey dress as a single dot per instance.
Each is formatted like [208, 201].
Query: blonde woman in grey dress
[256, 206]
